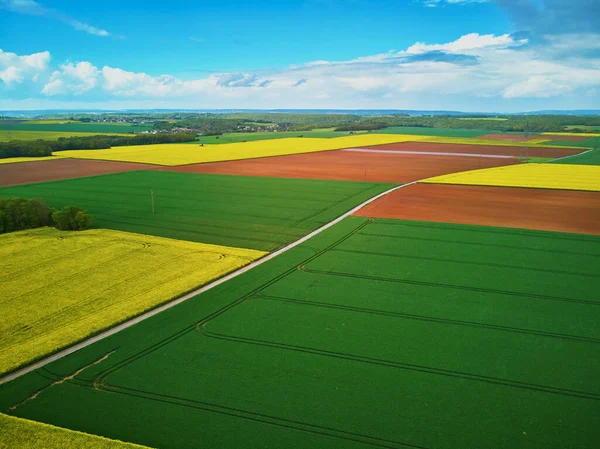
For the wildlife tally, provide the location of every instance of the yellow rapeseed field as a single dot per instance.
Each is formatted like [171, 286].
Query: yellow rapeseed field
[543, 176]
[59, 287]
[181, 154]
[19, 433]
[574, 134]
[13, 160]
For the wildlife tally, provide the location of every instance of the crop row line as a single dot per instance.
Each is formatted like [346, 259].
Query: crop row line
[406, 366]
[458, 287]
[427, 318]
[465, 262]
[463, 242]
[493, 230]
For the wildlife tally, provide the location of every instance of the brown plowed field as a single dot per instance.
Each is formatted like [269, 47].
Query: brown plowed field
[550, 210]
[476, 149]
[510, 137]
[53, 170]
[347, 165]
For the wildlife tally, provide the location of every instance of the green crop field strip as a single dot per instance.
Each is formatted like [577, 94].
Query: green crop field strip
[588, 158]
[94, 128]
[375, 333]
[247, 212]
[8, 135]
[439, 132]
[592, 142]
[247, 137]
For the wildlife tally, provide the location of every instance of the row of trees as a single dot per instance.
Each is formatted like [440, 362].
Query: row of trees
[40, 148]
[17, 214]
[216, 124]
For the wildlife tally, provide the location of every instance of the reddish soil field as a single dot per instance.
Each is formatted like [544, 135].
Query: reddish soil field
[347, 165]
[571, 138]
[509, 137]
[52, 170]
[476, 149]
[549, 210]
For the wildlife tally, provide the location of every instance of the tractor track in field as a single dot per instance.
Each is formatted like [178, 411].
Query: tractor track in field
[111, 331]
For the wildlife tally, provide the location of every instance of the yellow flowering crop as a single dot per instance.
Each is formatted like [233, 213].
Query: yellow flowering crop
[181, 154]
[19, 433]
[60, 287]
[543, 176]
[12, 160]
[533, 143]
[574, 134]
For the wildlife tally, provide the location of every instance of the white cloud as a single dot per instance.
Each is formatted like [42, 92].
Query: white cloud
[15, 69]
[72, 78]
[88, 28]
[35, 8]
[472, 41]
[435, 3]
[473, 69]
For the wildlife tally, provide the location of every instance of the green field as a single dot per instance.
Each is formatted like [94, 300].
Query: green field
[592, 142]
[6, 136]
[440, 132]
[381, 333]
[247, 137]
[95, 128]
[247, 212]
[588, 158]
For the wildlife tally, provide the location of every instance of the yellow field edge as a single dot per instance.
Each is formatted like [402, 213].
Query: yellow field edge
[14, 160]
[574, 134]
[21, 433]
[542, 176]
[60, 287]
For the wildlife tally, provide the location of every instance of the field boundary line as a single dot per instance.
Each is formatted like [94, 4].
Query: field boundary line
[113, 330]
[571, 155]
[431, 153]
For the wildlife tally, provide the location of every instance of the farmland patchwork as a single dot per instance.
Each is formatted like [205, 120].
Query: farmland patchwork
[281, 353]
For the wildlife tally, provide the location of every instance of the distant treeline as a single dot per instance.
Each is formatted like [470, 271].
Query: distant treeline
[361, 126]
[40, 148]
[214, 124]
[17, 214]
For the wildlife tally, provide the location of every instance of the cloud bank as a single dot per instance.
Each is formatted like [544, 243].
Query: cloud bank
[533, 67]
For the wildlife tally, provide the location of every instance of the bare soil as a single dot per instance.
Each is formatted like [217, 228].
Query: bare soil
[478, 149]
[549, 210]
[53, 170]
[347, 165]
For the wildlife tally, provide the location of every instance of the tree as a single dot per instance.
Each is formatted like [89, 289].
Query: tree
[19, 213]
[72, 218]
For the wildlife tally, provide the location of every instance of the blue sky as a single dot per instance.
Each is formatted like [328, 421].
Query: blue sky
[478, 55]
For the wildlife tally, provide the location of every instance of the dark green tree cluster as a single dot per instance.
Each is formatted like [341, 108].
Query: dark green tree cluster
[39, 148]
[71, 218]
[17, 214]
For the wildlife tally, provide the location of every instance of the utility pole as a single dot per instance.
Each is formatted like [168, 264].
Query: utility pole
[152, 196]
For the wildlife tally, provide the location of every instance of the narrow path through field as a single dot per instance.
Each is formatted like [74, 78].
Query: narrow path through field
[430, 153]
[107, 333]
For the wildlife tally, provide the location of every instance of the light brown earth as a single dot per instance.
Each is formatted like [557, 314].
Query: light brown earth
[571, 138]
[477, 149]
[510, 137]
[52, 170]
[348, 165]
[541, 209]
